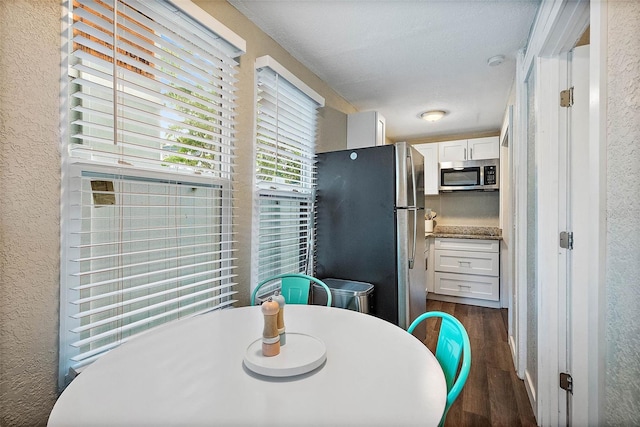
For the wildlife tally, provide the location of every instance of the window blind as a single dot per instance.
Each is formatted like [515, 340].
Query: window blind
[147, 174]
[285, 174]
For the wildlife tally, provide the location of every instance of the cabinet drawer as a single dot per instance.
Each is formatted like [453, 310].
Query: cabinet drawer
[480, 245]
[465, 262]
[464, 285]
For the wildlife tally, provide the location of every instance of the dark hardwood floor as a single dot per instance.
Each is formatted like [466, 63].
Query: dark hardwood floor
[493, 394]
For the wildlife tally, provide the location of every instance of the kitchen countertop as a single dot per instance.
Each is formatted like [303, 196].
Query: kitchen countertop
[466, 232]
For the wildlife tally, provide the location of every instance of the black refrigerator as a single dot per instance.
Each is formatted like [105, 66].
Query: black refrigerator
[370, 226]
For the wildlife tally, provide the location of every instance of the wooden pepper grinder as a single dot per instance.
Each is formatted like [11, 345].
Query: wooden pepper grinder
[281, 330]
[270, 336]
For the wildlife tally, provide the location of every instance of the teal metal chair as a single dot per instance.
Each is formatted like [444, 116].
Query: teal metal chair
[453, 345]
[294, 287]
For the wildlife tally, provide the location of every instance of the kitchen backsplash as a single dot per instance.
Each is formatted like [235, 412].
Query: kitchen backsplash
[470, 208]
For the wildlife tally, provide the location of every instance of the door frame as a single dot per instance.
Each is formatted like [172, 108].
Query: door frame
[580, 224]
[598, 56]
[558, 25]
[508, 290]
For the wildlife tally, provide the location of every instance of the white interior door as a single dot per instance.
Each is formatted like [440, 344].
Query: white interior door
[577, 202]
[562, 295]
[572, 262]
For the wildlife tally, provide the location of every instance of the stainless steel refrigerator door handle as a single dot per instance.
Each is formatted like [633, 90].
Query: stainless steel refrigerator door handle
[412, 258]
[413, 179]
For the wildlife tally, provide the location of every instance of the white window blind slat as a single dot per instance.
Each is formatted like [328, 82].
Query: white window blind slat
[284, 151]
[279, 264]
[119, 316]
[143, 286]
[190, 105]
[276, 139]
[271, 78]
[284, 122]
[99, 69]
[150, 143]
[209, 138]
[185, 261]
[101, 154]
[145, 276]
[271, 260]
[149, 320]
[148, 191]
[270, 133]
[168, 89]
[290, 112]
[133, 253]
[89, 357]
[108, 307]
[198, 72]
[190, 35]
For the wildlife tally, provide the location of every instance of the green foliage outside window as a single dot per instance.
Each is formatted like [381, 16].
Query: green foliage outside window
[185, 135]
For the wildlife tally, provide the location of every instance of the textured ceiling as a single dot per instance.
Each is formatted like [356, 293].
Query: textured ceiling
[402, 57]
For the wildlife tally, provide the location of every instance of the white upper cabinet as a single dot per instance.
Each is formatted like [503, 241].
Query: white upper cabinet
[470, 149]
[484, 148]
[366, 129]
[451, 151]
[430, 154]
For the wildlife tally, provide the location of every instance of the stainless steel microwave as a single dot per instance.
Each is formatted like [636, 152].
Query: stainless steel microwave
[478, 175]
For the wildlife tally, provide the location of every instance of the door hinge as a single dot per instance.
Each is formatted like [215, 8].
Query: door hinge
[566, 382]
[566, 240]
[566, 97]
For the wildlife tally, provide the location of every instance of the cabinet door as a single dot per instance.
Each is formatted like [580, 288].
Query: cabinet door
[430, 154]
[483, 148]
[466, 262]
[465, 285]
[451, 151]
[380, 129]
[457, 244]
[366, 129]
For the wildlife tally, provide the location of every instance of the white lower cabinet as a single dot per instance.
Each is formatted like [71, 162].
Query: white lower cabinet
[465, 262]
[467, 268]
[467, 285]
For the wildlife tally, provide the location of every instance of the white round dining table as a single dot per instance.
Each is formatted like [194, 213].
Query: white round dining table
[192, 373]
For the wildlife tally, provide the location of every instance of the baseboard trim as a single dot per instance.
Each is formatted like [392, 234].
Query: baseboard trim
[531, 392]
[512, 347]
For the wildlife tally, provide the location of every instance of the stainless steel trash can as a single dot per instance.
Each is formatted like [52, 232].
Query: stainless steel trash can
[347, 294]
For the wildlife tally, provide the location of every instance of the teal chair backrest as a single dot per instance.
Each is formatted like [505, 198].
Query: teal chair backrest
[453, 345]
[294, 287]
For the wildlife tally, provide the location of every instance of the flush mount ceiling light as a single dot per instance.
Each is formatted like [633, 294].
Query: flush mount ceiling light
[433, 115]
[495, 60]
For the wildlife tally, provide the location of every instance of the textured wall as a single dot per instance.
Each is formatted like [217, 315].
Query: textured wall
[29, 209]
[623, 216]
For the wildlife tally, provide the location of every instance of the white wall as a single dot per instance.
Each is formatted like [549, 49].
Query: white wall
[622, 389]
